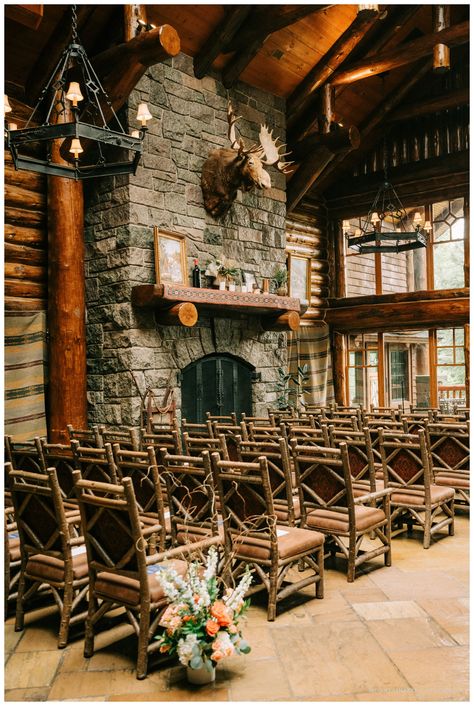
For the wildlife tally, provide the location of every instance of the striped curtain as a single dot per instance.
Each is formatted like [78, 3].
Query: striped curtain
[310, 345]
[25, 372]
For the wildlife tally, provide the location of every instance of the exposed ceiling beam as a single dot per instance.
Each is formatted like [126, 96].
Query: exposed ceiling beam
[234, 18]
[324, 69]
[337, 141]
[304, 178]
[404, 54]
[261, 23]
[431, 105]
[27, 15]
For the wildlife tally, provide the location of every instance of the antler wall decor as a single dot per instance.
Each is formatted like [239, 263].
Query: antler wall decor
[227, 170]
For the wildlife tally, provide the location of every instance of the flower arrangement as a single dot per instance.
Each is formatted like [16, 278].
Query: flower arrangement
[224, 269]
[201, 627]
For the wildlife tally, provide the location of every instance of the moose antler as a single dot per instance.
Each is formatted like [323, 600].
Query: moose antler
[273, 151]
[238, 143]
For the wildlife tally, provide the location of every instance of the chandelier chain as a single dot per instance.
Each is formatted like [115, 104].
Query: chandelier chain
[74, 24]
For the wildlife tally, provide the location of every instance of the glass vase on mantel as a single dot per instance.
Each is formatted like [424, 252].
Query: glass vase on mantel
[200, 676]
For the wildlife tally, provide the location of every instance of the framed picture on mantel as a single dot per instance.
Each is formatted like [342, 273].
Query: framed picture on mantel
[170, 257]
[299, 277]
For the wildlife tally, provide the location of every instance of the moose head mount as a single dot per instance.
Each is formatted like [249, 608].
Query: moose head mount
[227, 170]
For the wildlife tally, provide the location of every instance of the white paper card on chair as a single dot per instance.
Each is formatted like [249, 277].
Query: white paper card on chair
[78, 550]
[281, 532]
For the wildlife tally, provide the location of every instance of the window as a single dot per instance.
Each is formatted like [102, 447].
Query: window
[448, 244]
[451, 372]
[363, 370]
[360, 269]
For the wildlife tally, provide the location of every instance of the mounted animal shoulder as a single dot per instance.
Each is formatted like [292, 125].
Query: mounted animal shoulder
[227, 170]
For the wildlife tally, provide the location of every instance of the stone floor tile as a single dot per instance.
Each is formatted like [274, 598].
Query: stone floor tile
[409, 634]
[355, 595]
[388, 610]
[402, 695]
[84, 684]
[413, 585]
[12, 638]
[189, 694]
[39, 638]
[25, 669]
[439, 668]
[260, 640]
[34, 694]
[452, 615]
[256, 680]
[336, 662]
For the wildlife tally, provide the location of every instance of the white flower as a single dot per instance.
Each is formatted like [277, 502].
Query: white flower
[185, 648]
[211, 565]
[234, 599]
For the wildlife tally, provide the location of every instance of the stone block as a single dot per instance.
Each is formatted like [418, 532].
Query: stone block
[181, 63]
[176, 203]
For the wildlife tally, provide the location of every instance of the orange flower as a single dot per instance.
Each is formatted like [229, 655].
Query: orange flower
[217, 656]
[212, 627]
[233, 629]
[221, 613]
[187, 618]
[164, 648]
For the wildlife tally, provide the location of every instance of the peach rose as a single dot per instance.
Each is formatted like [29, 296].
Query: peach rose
[217, 656]
[212, 627]
[164, 648]
[233, 629]
[221, 613]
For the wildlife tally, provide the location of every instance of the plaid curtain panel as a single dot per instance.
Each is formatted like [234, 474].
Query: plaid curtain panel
[310, 345]
[25, 372]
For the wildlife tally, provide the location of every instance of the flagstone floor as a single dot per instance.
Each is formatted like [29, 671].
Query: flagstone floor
[396, 634]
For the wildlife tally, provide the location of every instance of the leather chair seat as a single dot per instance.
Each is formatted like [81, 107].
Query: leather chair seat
[14, 548]
[453, 481]
[338, 522]
[123, 589]
[50, 569]
[291, 542]
[408, 497]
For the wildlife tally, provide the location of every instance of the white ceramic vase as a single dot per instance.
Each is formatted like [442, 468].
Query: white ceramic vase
[231, 287]
[222, 285]
[201, 675]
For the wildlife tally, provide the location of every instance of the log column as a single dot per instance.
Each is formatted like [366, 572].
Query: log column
[66, 302]
[339, 367]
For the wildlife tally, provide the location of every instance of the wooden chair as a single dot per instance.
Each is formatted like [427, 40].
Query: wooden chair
[142, 468]
[309, 436]
[449, 448]
[121, 572]
[196, 430]
[285, 501]
[87, 438]
[194, 446]
[12, 558]
[128, 439]
[259, 421]
[95, 463]
[361, 460]
[222, 418]
[164, 439]
[339, 422]
[328, 505]
[51, 551]
[231, 432]
[252, 535]
[24, 455]
[60, 457]
[415, 499]
[259, 433]
[190, 488]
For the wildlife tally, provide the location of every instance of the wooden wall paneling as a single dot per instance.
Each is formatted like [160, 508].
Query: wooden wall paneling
[381, 370]
[433, 367]
[467, 246]
[467, 356]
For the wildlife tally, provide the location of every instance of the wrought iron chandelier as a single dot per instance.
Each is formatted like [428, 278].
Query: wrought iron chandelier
[102, 153]
[387, 226]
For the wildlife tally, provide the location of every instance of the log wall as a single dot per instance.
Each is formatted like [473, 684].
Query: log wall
[306, 234]
[25, 233]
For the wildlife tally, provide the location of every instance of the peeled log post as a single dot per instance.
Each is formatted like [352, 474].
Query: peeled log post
[66, 303]
[305, 177]
[182, 314]
[338, 349]
[336, 141]
[467, 363]
[121, 67]
[288, 321]
[441, 56]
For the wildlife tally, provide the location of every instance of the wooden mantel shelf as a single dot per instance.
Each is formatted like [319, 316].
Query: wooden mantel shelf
[170, 300]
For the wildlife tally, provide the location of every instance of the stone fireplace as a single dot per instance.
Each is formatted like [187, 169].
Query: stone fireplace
[189, 121]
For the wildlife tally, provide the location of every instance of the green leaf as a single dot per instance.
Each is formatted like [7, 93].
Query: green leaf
[196, 662]
[244, 647]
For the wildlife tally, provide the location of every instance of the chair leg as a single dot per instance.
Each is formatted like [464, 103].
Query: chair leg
[89, 627]
[272, 595]
[20, 607]
[65, 615]
[427, 529]
[351, 559]
[142, 658]
[451, 524]
[320, 583]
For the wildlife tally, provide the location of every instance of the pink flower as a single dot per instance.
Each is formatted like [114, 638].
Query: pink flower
[221, 613]
[212, 627]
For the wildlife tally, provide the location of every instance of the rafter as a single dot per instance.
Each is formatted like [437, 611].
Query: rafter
[221, 36]
[26, 15]
[431, 105]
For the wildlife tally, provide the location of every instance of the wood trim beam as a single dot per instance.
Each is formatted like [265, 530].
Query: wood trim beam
[26, 15]
[342, 140]
[404, 54]
[304, 178]
[393, 314]
[431, 105]
[234, 18]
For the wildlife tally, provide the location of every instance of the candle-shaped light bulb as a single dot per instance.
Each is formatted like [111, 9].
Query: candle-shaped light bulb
[143, 114]
[417, 218]
[135, 133]
[6, 104]
[76, 147]
[12, 126]
[375, 218]
[428, 226]
[74, 93]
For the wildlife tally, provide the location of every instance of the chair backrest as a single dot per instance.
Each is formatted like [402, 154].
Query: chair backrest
[308, 420]
[127, 438]
[40, 514]
[256, 432]
[246, 500]
[310, 436]
[190, 489]
[196, 430]
[194, 446]
[112, 530]
[86, 437]
[222, 418]
[340, 422]
[323, 478]
[449, 446]
[142, 468]
[359, 452]
[279, 470]
[412, 424]
[25, 456]
[230, 431]
[405, 459]
[384, 415]
[60, 457]
[164, 439]
[95, 463]
[258, 421]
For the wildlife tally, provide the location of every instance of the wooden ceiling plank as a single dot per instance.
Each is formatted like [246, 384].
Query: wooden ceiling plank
[224, 32]
[27, 15]
[407, 53]
[431, 105]
[324, 69]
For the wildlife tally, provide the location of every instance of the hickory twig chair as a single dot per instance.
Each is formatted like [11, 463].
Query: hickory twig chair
[121, 571]
[196, 430]
[86, 437]
[449, 447]
[127, 439]
[194, 446]
[415, 499]
[51, 551]
[169, 440]
[95, 463]
[253, 537]
[328, 505]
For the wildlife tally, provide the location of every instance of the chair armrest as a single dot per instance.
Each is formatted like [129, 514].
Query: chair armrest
[76, 541]
[73, 518]
[177, 552]
[372, 496]
[147, 531]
